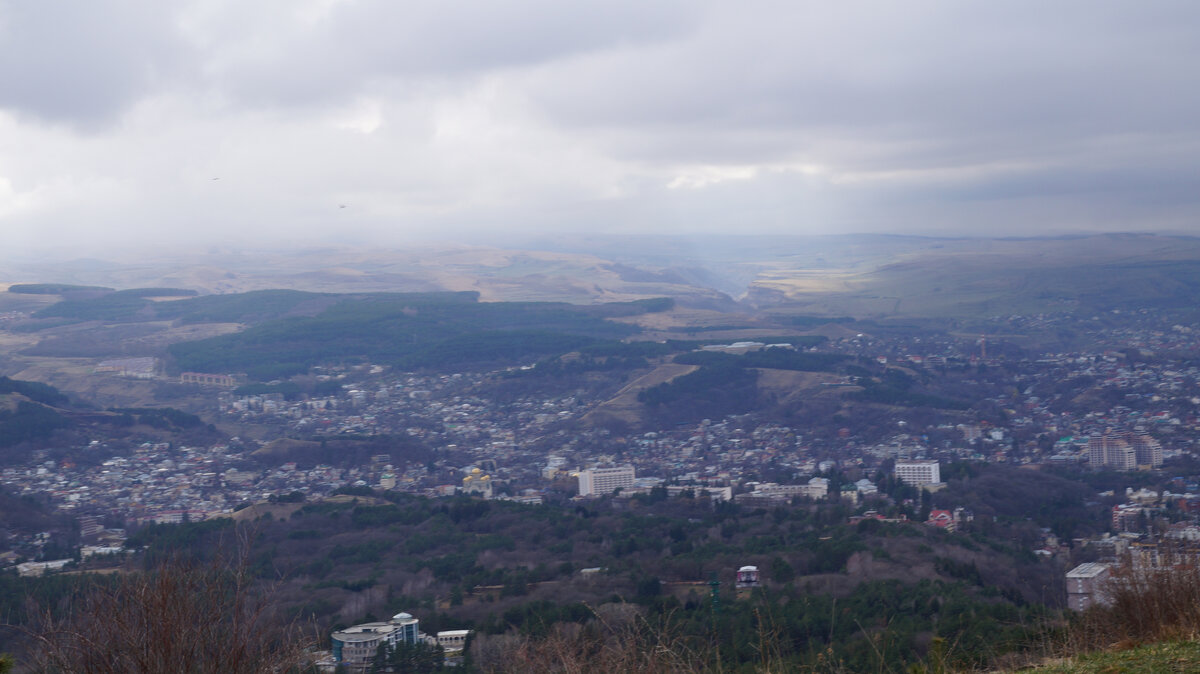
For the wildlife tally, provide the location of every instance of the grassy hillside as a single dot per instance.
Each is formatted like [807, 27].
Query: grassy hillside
[997, 277]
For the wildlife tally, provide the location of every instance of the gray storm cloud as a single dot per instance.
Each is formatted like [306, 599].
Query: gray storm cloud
[370, 121]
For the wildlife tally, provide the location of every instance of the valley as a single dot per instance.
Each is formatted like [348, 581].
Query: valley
[388, 448]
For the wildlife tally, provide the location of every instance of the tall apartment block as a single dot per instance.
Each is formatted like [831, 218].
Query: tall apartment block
[604, 481]
[1124, 451]
[918, 473]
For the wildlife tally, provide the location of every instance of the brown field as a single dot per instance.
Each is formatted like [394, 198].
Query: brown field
[185, 333]
[789, 383]
[285, 510]
[681, 317]
[794, 282]
[279, 511]
[76, 376]
[14, 341]
[280, 449]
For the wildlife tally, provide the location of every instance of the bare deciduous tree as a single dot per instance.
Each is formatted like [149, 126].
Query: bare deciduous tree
[179, 618]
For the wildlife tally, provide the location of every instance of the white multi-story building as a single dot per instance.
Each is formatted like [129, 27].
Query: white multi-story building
[1085, 585]
[919, 473]
[604, 481]
[355, 647]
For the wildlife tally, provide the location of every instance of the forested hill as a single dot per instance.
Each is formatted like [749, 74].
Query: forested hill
[430, 331]
[34, 391]
[289, 331]
[38, 416]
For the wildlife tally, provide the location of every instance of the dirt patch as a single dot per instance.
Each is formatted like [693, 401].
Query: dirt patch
[280, 449]
[11, 342]
[97, 572]
[279, 511]
[682, 318]
[625, 406]
[787, 384]
[78, 376]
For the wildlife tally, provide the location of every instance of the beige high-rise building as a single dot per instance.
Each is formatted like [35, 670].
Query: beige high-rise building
[1124, 451]
[1149, 452]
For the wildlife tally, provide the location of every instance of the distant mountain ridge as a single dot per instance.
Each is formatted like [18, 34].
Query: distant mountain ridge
[870, 275]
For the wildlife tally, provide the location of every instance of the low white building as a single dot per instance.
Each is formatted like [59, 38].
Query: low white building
[865, 487]
[40, 568]
[765, 493]
[714, 493]
[452, 641]
[92, 550]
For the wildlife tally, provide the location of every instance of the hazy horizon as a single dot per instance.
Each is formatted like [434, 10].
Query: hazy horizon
[139, 125]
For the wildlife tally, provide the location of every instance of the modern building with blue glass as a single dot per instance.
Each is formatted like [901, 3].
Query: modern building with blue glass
[355, 647]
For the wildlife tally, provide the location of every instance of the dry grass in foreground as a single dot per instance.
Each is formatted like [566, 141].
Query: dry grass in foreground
[1161, 658]
[1145, 605]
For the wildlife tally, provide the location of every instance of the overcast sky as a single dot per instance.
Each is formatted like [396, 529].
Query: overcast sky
[373, 121]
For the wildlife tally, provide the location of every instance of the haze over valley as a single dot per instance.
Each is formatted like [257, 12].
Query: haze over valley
[353, 336]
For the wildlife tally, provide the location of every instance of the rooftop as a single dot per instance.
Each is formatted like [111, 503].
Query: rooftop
[1087, 570]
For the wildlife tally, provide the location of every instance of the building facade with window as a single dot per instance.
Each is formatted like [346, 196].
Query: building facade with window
[355, 647]
[604, 481]
[918, 473]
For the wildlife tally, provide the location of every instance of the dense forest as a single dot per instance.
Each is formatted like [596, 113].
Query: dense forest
[430, 331]
[895, 387]
[712, 391]
[35, 391]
